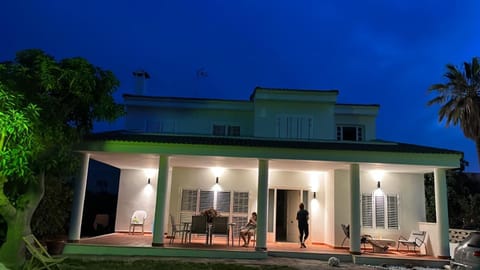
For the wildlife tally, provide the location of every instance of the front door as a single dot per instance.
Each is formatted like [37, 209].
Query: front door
[286, 229]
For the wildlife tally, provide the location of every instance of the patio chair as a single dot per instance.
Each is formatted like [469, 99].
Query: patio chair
[199, 226]
[346, 231]
[220, 227]
[137, 220]
[252, 232]
[177, 228]
[40, 259]
[415, 240]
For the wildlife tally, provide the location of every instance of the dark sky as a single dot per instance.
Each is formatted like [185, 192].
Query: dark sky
[374, 52]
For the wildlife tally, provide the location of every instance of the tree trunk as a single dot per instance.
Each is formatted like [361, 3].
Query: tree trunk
[12, 252]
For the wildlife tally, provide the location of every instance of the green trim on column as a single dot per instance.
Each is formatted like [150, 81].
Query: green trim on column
[161, 202]
[355, 209]
[441, 209]
[262, 204]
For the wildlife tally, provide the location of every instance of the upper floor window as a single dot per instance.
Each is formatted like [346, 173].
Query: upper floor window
[349, 133]
[225, 130]
[160, 126]
[294, 126]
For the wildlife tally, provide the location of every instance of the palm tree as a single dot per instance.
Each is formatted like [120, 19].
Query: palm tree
[459, 98]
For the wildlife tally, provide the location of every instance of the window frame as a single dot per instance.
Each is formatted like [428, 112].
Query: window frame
[359, 132]
[372, 212]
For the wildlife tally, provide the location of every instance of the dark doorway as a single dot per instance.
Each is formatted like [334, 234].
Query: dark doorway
[281, 219]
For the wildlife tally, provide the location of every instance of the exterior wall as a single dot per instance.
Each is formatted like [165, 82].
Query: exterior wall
[134, 193]
[203, 178]
[341, 191]
[411, 201]
[189, 120]
[256, 118]
[368, 123]
[330, 231]
[266, 113]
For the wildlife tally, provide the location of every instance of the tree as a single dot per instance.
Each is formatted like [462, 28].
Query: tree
[62, 100]
[459, 98]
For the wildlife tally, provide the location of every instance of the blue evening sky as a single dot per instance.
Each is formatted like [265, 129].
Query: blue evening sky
[374, 52]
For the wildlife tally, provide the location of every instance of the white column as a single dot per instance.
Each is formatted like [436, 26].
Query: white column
[161, 202]
[78, 201]
[441, 209]
[354, 209]
[262, 197]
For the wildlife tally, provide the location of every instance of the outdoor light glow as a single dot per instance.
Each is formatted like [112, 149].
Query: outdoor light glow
[314, 179]
[217, 171]
[377, 175]
[149, 173]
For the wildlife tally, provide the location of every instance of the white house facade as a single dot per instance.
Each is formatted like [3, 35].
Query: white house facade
[180, 156]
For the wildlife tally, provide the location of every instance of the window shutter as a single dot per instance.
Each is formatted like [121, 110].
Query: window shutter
[379, 212]
[218, 130]
[189, 200]
[392, 211]
[367, 220]
[240, 202]
[206, 200]
[223, 201]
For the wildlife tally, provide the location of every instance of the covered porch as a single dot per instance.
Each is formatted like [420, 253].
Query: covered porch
[330, 182]
[124, 244]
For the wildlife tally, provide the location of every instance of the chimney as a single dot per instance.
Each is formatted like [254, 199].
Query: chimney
[140, 80]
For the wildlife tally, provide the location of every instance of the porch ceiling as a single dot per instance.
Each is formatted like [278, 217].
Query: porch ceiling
[150, 161]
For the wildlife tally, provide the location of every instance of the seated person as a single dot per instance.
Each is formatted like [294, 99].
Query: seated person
[248, 230]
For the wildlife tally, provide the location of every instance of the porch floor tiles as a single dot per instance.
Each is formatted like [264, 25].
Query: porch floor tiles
[123, 244]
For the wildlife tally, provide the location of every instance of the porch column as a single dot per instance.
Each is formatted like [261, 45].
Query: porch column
[262, 198]
[441, 209]
[78, 201]
[355, 209]
[161, 203]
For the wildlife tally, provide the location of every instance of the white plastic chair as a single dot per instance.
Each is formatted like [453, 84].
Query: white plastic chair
[138, 219]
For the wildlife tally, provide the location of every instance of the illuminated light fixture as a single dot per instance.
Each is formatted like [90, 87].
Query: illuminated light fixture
[314, 194]
[148, 181]
[378, 184]
[216, 180]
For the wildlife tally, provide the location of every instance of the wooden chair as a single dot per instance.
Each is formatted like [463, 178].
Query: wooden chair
[40, 259]
[416, 239]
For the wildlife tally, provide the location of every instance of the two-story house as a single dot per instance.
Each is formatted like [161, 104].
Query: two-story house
[180, 156]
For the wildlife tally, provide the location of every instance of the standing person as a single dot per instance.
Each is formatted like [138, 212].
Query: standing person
[248, 230]
[302, 218]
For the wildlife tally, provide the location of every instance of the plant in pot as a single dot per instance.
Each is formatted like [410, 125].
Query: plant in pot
[49, 222]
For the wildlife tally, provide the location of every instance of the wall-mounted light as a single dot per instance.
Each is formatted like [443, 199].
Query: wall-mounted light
[148, 181]
[216, 180]
[314, 194]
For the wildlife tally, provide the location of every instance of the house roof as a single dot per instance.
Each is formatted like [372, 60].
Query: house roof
[376, 146]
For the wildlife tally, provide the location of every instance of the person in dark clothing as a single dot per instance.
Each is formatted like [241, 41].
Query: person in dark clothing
[302, 218]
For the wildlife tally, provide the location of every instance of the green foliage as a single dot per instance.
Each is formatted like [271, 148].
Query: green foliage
[51, 217]
[463, 194]
[17, 139]
[459, 98]
[46, 107]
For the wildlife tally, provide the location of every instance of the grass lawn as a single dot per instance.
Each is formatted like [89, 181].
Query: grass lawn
[135, 264]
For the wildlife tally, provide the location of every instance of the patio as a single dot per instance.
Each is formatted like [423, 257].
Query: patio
[123, 244]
